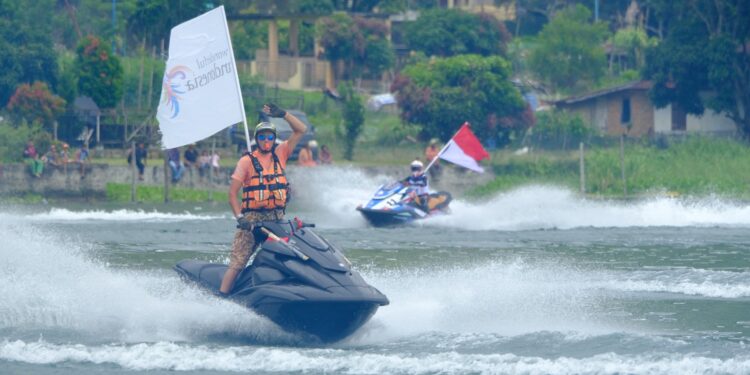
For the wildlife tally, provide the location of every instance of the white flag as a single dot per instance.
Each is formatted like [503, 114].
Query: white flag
[200, 91]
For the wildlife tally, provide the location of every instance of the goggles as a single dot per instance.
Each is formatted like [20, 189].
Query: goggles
[266, 137]
[414, 169]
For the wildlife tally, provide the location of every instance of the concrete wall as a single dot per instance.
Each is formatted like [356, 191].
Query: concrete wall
[15, 179]
[663, 120]
[710, 122]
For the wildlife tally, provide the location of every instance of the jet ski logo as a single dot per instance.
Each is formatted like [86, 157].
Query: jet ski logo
[173, 86]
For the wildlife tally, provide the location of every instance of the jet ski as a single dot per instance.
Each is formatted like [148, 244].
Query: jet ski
[391, 206]
[298, 280]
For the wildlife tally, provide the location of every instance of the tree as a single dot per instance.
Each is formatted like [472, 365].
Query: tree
[704, 61]
[99, 72]
[442, 94]
[569, 55]
[27, 51]
[633, 42]
[35, 103]
[450, 32]
[354, 118]
[153, 20]
[357, 44]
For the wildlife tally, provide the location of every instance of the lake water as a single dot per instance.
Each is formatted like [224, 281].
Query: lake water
[534, 281]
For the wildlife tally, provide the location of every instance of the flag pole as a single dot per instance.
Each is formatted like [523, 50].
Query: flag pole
[438, 155]
[237, 79]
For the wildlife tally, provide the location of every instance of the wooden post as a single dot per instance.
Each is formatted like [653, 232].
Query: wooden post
[166, 178]
[211, 171]
[622, 165]
[140, 75]
[151, 77]
[582, 168]
[132, 172]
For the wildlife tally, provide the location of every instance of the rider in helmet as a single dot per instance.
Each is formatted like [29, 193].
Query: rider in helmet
[260, 176]
[419, 187]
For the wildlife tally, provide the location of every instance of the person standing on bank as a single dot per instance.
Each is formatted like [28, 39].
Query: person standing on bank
[260, 174]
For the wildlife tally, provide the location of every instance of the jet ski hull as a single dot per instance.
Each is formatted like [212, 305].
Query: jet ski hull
[328, 321]
[385, 218]
[330, 314]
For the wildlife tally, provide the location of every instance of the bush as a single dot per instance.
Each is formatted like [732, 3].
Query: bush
[35, 104]
[559, 130]
[13, 140]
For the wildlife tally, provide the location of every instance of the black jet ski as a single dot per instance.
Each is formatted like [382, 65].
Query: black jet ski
[298, 280]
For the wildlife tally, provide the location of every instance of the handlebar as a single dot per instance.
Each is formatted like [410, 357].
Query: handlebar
[296, 224]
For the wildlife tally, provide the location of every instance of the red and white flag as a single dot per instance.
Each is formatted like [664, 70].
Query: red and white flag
[465, 150]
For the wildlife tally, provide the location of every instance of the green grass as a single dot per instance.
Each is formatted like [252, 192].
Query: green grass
[26, 198]
[699, 166]
[155, 194]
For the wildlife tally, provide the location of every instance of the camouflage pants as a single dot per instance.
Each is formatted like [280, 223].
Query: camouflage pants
[244, 244]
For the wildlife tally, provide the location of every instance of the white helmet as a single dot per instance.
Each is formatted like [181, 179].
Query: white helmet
[416, 164]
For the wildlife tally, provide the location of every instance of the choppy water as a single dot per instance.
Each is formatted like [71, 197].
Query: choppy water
[535, 281]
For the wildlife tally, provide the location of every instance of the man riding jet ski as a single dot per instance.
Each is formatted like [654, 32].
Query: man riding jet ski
[406, 200]
[298, 280]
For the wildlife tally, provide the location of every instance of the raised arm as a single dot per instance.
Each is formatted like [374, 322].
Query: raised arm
[298, 127]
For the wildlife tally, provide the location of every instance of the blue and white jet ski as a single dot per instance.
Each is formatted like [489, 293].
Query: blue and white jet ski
[391, 205]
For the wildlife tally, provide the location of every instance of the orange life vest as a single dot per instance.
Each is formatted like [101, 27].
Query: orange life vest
[268, 188]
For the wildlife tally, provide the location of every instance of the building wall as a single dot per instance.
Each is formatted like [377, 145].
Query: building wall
[710, 122]
[641, 114]
[663, 120]
[605, 114]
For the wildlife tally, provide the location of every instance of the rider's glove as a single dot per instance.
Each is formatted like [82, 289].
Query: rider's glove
[244, 223]
[275, 111]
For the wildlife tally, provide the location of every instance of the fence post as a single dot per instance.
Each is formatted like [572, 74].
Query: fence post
[132, 171]
[211, 171]
[582, 168]
[622, 166]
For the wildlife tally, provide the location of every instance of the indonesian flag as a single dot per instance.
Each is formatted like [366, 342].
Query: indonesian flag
[465, 150]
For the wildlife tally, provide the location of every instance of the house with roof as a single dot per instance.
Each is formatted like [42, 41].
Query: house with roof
[628, 109]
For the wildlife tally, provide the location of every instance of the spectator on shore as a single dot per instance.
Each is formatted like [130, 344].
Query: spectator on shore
[31, 157]
[52, 157]
[175, 164]
[82, 158]
[191, 157]
[65, 154]
[305, 157]
[215, 159]
[140, 159]
[204, 164]
[325, 155]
